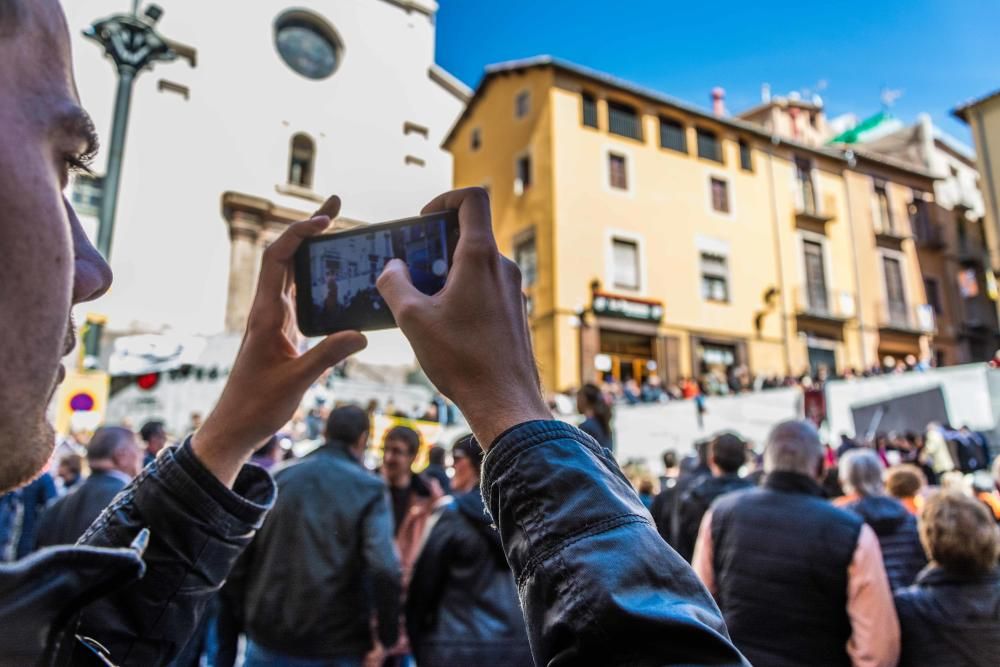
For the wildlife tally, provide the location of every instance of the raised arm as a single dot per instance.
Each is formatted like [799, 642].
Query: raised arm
[598, 584]
[200, 502]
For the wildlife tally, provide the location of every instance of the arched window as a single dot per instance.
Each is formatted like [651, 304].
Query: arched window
[300, 165]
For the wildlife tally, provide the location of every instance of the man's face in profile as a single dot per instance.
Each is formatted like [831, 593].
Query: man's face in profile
[46, 262]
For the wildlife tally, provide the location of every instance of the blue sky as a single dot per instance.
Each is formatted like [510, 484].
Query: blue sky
[937, 53]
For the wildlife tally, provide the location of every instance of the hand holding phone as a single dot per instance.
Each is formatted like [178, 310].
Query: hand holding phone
[270, 373]
[471, 338]
[336, 274]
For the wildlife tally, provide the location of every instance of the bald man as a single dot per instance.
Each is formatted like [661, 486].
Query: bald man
[798, 580]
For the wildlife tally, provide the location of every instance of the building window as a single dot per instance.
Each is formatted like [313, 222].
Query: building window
[894, 291]
[526, 258]
[720, 194]
[522, 180]
[818, 299]
[709, 146]
[409, 127]
[307, 44]
[617, 175]
[805, 193]
[673, 135]
[475, 139]
[884, 222]
[88, 193]
[522, 104]
[589, 103]
[624, 120]
[300, 166]
[714, 277]
[626, 263]
[933, 289]
[746, 156]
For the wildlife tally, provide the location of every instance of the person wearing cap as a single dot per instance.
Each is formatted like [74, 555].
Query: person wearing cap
[462, 606]
[726, 454]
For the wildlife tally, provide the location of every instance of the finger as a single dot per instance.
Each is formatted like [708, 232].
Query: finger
[330, 208]
[284, 247]
[276, 262]
[474, 220]
[329, 352]
[397, 289]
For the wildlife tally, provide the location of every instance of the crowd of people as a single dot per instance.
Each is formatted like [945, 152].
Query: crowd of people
[882, 552]
[737, 379]
[811, 551]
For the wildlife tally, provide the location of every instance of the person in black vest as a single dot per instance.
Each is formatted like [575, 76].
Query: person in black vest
[950, 616]
[861, 477]
[727, 452]
[115, 459]
[799, 582]
[462, 606]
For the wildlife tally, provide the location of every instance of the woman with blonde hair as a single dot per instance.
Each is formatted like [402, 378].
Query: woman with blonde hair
[950, 617]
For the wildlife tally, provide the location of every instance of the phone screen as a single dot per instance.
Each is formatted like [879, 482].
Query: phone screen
[335, 274]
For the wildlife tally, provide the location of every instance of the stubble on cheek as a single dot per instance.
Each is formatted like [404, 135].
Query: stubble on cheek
[24, 452]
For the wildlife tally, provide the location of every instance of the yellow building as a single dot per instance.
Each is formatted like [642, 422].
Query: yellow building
[983, 117]
[655, 237]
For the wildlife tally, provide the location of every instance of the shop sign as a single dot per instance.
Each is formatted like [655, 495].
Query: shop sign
[632, 309]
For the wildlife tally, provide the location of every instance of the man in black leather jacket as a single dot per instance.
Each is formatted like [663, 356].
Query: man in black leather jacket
[597, 583]
[461, 607]
[327, 545]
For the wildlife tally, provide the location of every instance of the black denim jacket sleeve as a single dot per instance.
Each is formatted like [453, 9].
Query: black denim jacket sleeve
[198, 527]
[598, 585]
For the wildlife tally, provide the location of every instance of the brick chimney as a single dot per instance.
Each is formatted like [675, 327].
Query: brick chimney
[719, 101]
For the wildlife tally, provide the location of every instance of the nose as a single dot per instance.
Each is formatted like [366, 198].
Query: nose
[91, 274]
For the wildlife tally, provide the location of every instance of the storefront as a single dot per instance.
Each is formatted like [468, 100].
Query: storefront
[620, 338]
[717, 362]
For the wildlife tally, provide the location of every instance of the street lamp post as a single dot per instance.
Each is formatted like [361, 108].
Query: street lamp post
[132, 43]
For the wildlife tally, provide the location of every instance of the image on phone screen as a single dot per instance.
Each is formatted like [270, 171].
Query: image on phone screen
[339, 271]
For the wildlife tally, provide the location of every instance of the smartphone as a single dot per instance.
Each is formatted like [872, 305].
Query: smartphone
[335, 274]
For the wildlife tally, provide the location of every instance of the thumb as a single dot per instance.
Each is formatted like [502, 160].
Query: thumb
[397, 288]
[330, 351]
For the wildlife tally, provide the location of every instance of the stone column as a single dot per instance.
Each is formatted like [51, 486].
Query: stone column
[244, 262]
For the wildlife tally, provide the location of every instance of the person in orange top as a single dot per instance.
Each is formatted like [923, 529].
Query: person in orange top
[907, 483]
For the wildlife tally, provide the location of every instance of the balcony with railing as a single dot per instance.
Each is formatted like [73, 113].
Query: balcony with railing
[889, 234]
[900, 317]
[817, 303]
[971, 252]
[928, 234]
[931, 236]
[808, 211]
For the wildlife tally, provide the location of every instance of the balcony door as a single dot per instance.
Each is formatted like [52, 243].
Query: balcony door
[806, 190]
[816, 277]
[894, 292]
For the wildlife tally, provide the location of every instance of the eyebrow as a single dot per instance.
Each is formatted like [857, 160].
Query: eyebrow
[77, 123]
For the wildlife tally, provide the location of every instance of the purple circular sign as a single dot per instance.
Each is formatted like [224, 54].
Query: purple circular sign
[81, 402]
